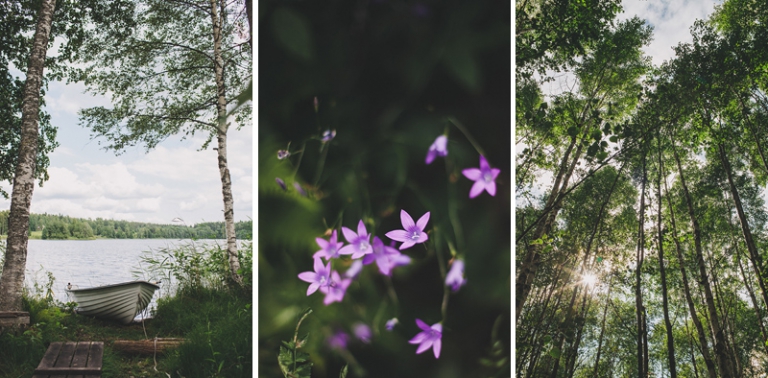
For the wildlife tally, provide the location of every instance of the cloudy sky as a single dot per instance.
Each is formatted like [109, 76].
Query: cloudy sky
[174, 180]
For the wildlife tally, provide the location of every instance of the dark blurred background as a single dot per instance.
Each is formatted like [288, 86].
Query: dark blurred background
[388, 76]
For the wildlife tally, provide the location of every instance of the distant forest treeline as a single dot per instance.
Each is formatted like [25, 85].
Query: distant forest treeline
[65, 227]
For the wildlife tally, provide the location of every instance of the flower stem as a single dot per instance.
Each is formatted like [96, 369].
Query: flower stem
[298, 164]
[441, 265]
[296, 336]
[466, 133]
[321, 164]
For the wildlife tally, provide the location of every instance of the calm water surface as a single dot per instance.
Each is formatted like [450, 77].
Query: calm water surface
[89, 263]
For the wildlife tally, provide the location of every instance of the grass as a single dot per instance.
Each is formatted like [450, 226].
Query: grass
[214, 319]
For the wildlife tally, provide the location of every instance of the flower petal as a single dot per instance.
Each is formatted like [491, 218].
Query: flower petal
[491, 187]
[319, 266]
[347, 250]
[349, 234]
[477, 188]
[495, 172]
[423, 325]
[406, 220]
[418, 338]
[398, 235]
[430, 156]
[426, 344]
[436, 345]
[423, 237]
[422, 222]
[484, 166]
[361, 231]
[367, 259]
[307, 276]
[312, 288]
[473, 174]
[407, 244]
[322, 243]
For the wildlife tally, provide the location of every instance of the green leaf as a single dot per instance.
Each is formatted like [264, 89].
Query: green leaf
[573, 131]
[293, 33]
[555, 352]
[344, 370]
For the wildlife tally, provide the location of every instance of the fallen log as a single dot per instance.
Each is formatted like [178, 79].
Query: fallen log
[147, 347]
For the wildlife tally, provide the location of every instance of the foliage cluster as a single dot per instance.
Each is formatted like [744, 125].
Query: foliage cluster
[66, 227]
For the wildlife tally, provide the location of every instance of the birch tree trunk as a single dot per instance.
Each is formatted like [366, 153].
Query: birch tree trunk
[721, 353]
[12, 279]
[642, 356]
[217, 16]
[663, 274]
[708, 361]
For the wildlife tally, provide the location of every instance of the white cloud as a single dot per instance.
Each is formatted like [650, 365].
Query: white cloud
[195, 204]
[671, 20]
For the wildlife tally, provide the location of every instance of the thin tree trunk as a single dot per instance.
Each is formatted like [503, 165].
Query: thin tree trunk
[532, 258]
[724, 365]
[639, 308]
[754, 255]
[12, 278]
[693, 356]
[663, 274]
[595, 230]
[711, 369]
[570, 360]
[602, 332]
[218, 16]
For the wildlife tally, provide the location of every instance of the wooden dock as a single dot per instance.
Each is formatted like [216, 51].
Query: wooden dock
[71, 360]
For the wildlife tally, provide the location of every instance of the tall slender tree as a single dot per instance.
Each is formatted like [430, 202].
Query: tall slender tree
[12, 278]
[177, 69]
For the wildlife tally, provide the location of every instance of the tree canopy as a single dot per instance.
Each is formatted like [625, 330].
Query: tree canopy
[645, 254]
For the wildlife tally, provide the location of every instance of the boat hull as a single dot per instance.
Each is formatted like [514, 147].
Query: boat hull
[121, 302]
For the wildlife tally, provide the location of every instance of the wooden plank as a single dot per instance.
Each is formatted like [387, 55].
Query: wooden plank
[80, 358]
[71, 360]
[68, 370]
[95, 358]
[50, 355]
[64, 360]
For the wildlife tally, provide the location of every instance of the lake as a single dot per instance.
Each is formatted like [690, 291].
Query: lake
[89, 263]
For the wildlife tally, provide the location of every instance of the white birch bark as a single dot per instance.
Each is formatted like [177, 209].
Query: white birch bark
[12, 279]
[218, 16]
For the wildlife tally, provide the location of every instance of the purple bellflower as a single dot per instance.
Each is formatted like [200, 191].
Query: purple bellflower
[438, 148]
[280, 182]
[329, 249]
[413, 233]
[362, 332]
[282, 154]
[391, 324]
[455, 277]
[386, 257]
[319, 279]
[328, 136]
[336, 288]
[428, 337]
[359, 243]
[484, 178]
[338, 340]
[354, 269]
[299, 189]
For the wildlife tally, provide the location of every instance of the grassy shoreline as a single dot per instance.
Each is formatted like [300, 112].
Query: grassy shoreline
[212, 314]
